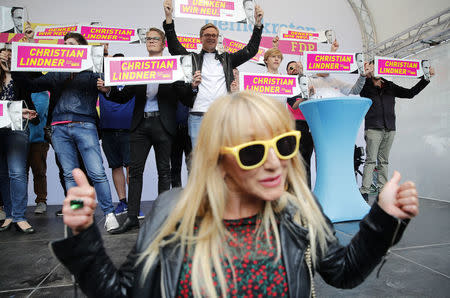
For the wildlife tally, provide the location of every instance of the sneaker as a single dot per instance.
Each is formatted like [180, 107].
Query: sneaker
[122, 207]
[41, 207]
[2, 214]
[59, 213]
[141, 215]
[111, 222]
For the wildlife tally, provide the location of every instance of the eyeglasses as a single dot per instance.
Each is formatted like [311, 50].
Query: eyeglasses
[253, 154]
[207, 35]
[156, 38]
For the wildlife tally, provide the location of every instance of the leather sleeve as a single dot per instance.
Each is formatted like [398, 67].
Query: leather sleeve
[85, 257]
[250, 50]
[347, 266]
[173, 44]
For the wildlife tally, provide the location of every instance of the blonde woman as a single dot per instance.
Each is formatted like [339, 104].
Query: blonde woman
[246, 223]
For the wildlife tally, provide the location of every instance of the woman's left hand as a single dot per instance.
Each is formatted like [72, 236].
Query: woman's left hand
[400, 201]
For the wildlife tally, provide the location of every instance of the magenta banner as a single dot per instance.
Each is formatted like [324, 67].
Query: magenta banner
[290, 47]
[267, 84]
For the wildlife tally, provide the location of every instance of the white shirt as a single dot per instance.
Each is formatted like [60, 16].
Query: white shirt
[213, 83]
[280, 98]
[151, 104]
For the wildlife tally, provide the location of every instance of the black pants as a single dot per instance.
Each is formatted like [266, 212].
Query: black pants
[149, 133]
[181, 143]
[306, 146]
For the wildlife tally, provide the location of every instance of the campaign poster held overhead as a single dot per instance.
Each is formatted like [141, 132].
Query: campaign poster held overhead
[407, 68]
[242, 11]
[326, 62]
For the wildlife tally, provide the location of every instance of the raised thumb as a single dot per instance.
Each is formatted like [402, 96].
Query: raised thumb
[395, 178]
[80, 178]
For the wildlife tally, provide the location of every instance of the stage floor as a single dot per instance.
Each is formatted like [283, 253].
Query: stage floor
[419, 266]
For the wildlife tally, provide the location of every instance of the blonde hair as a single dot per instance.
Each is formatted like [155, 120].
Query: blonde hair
[272, 52]
[202, 202]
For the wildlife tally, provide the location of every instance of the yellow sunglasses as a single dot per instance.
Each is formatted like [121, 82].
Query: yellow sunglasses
[253, 154]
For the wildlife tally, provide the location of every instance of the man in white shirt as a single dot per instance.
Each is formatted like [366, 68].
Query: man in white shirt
[216, 69]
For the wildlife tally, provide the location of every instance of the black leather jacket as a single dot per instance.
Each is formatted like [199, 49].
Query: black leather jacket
[341, 266]
[228, 60]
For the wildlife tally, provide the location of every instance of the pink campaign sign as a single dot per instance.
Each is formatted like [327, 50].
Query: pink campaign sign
[405, 68]
[57, 31]
[328, 62]
[206, 7]
[142, 70]
[35, 56]
[300, 35]
[270, 85]
[189, 43]
[11, 37]
[289, 47]
[1, 109]
[104, 33]
[233, 46]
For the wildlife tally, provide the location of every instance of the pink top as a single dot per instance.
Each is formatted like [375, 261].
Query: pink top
[60, 122]
[297, 114]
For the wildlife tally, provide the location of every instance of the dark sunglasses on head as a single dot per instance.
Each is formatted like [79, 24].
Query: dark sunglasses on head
[291, 67]
[253, 154]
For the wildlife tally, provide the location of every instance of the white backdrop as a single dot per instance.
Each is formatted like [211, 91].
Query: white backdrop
[305, 15]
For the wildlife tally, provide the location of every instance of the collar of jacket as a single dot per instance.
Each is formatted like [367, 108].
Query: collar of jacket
[294, 240]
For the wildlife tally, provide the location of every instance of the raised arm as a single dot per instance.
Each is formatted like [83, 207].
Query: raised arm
[251, 49]
[411, 92]
[173, 44]
[347, 266]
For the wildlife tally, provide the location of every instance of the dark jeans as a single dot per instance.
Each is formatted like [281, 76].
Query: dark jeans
[181, 143]
[116, 146]
[14, 147]
[37, 160]
[150, 132]
[306, 146]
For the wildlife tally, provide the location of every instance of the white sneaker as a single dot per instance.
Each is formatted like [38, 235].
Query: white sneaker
[41, 207]
[2, 214]
[111, 222]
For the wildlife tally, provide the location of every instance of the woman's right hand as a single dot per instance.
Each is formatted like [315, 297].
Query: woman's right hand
[80, 219]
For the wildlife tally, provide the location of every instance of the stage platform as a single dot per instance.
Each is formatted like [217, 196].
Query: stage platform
[419, 266]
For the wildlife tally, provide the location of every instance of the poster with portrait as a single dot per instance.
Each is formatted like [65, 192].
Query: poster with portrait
[12, 19]
[325, 36]
[109, 34]
[227, 10]
[326, 62]
[232, 46]
[290, 47]
[54, 31]
[406, 68]
[269, 84]
[11, 114]
[56, 58]
[145, 70]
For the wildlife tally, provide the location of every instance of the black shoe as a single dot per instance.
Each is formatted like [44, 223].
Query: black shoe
[30, 230]
[6, 228]
[129, 224]
[59, 213]
[365, 197]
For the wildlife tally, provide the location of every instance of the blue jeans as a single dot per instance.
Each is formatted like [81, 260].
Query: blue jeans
[14, 147]
[66, 138]
[194, 123]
